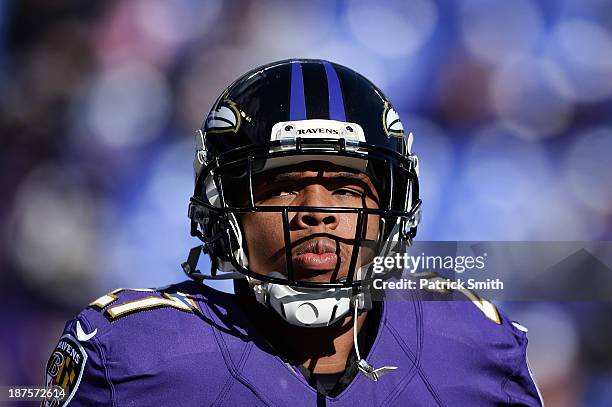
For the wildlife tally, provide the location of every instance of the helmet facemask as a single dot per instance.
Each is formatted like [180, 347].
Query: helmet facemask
[227, 188]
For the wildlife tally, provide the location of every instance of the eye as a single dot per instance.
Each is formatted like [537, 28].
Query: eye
[285, 193]
[273, 194]
[278, 192]
[348, 192]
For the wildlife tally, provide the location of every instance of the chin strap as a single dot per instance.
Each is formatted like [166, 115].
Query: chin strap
[190, 267]
[364, 367]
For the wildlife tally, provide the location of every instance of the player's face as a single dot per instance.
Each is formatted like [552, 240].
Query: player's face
[321, 243]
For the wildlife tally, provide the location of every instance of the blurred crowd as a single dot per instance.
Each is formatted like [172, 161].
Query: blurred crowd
[509, 103]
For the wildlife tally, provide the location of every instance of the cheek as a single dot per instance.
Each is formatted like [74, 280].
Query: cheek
[369, 240]
[264, 237]
[373, 225]
[373, 221]
[349, 224]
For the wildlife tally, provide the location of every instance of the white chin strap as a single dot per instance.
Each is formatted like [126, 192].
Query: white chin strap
[306, 307]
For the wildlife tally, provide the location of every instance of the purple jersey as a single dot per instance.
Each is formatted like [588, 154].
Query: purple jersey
[190, 345]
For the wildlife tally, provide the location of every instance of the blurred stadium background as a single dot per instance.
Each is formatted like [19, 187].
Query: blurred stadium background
[510, 103]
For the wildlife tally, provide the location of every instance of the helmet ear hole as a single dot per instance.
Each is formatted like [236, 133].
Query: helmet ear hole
[199, 214]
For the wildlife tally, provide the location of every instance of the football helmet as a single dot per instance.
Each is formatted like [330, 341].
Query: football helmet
[286, 113]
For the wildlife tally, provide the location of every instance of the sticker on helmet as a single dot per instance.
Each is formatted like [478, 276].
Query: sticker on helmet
[65, 368]
[225, 118]
[391, 122]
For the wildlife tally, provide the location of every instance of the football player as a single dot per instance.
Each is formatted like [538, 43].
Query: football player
[303, 175]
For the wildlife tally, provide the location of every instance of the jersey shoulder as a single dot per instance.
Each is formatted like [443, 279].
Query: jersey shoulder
[130, 336]
[462, 334]
[465, 312]
[128, 311]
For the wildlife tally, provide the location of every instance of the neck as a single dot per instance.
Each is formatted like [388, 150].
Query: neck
[320, 350]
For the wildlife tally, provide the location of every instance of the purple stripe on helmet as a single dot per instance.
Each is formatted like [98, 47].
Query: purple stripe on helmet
[336, 102]
[297, 102]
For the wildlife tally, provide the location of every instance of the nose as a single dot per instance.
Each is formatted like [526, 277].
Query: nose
[310, 219]
[316, 196]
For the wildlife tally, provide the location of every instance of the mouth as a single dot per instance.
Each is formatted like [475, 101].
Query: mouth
[317, 254]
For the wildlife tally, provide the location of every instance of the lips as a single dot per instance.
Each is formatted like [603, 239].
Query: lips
[318, 254]
[313, 261]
